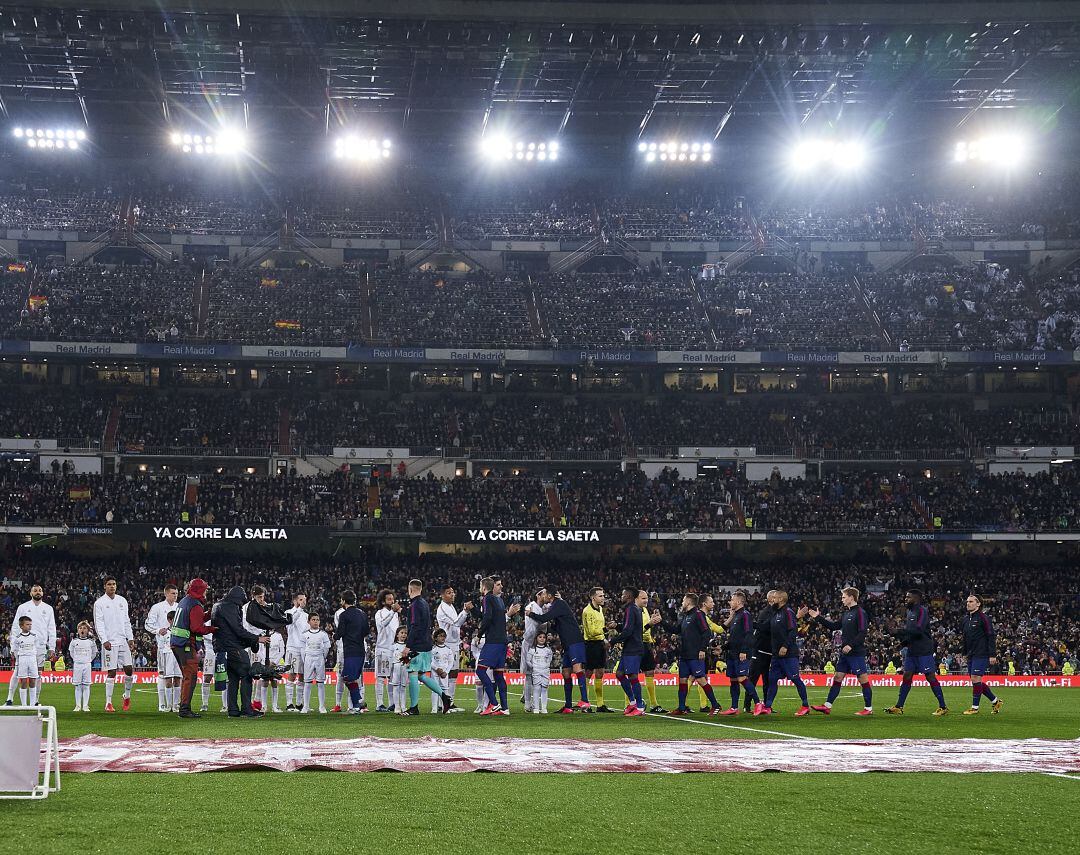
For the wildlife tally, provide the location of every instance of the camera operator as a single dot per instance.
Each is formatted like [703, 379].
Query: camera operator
[235, 641]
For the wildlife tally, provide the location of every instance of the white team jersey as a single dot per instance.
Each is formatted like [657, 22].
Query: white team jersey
[316, 644]
[83, 651]
[254, 630]
[540, 663]
[111, 620]
[450, 622]
[25, 646]
[339, 650]
[163, 647]
[532, 628]
[43, 624]
[277, 649]
[298, 625]
[443, 658]
[209, 656]
[386, 627]
[158, 618]
[400, 669]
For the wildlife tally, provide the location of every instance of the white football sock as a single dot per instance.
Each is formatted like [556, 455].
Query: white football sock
[109, 683]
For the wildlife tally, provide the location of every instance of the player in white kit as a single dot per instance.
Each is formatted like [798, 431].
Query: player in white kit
[450, 621]
[158, 624]
[82, 650]
[44, 622]
[24, 647]
[539, 658]
[112, 626]
[294, 652]
[168, 668]
[443, 664]
[316, 646]
[387, 622]
[528, 640]
[209, 669]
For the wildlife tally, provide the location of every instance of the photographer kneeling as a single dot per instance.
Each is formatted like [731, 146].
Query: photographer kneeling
[235, 642]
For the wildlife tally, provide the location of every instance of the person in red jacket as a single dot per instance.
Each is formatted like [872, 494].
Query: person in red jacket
[188, 628]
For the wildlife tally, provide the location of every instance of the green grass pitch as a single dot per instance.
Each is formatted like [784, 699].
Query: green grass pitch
[628, 813]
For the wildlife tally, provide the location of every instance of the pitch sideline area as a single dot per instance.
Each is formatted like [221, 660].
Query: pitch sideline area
[509, 754]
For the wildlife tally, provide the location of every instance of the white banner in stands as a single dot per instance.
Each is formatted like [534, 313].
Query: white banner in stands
[764, 471]
[12, 444]
[84, 348]
[707, 357]
[1016, 467]
[381, 453]
[1028, 452]
[286, 351]
[84, 464]
[859, 357]
[724, 452]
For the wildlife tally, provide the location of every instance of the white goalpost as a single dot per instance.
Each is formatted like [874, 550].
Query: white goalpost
[26, 771]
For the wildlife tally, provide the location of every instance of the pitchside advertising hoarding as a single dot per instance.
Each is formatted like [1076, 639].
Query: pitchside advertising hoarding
[208, 533]
[513, 678]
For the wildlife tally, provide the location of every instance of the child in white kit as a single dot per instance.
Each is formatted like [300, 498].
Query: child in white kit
[316, 646]
[83, 651]
[25, 652]
[399, 676]
[443, 661]
[475, 646]
[540, 668]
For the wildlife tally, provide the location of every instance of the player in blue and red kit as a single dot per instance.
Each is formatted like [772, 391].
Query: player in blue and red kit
[573, 644]
[741, 642]
[915, 635]
[979, 648]
[633, 648]
[853, 624]
[694, 638]
[491, 664]
[784, 634]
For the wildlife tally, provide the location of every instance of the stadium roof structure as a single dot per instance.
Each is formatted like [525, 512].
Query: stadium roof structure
[598, 68]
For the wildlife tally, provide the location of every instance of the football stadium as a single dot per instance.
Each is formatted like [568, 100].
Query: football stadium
[522, 368]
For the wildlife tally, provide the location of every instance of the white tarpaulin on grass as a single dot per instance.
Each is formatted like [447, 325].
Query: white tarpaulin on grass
[96, 753]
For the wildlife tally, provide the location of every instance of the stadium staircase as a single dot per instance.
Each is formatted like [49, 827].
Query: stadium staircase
[579, 256]
[695, 289]
[1040, 273]
[284, 443]
[554, 505]
[367, 308]
[201, 296]
[112, 427]
[536, 323]
[373, 500]
[924, 512]
[740, 515]
[864, 300]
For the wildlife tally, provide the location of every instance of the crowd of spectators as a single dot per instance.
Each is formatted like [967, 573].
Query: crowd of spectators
[1035, 607]
[781, 311]
[169, 419]
[642, 309]
[44, 209]
[199, 211]
[101, 303]
[477, 309]
[857, 500]
[43, 413]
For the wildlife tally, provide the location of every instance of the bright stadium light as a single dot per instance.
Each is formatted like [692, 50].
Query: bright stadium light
[50, 139]
[355, 148]
[227, 141]
[1000, 150]
[500, 148]
[815, 155]
[685, 152]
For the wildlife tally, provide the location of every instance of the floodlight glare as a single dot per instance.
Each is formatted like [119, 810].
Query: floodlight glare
[501, 148]
[674, 151]
[48, 138]
[1001, 150]
[836, 155]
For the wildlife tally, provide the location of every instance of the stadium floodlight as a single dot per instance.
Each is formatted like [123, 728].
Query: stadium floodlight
[816, 155]
[355, 148]
[685, 152]
[50, 139]
[499, 148]
[1000, 150]
[226, 142]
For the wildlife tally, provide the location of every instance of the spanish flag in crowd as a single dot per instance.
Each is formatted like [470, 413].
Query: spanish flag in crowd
[79, 493]
[38, 301]
[16, 267]
[287, 325]
[268, 282]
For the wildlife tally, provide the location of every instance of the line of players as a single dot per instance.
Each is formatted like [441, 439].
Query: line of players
[762, 647]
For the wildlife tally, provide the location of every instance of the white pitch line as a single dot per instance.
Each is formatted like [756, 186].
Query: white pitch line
[712, 723]
[1063, 775]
